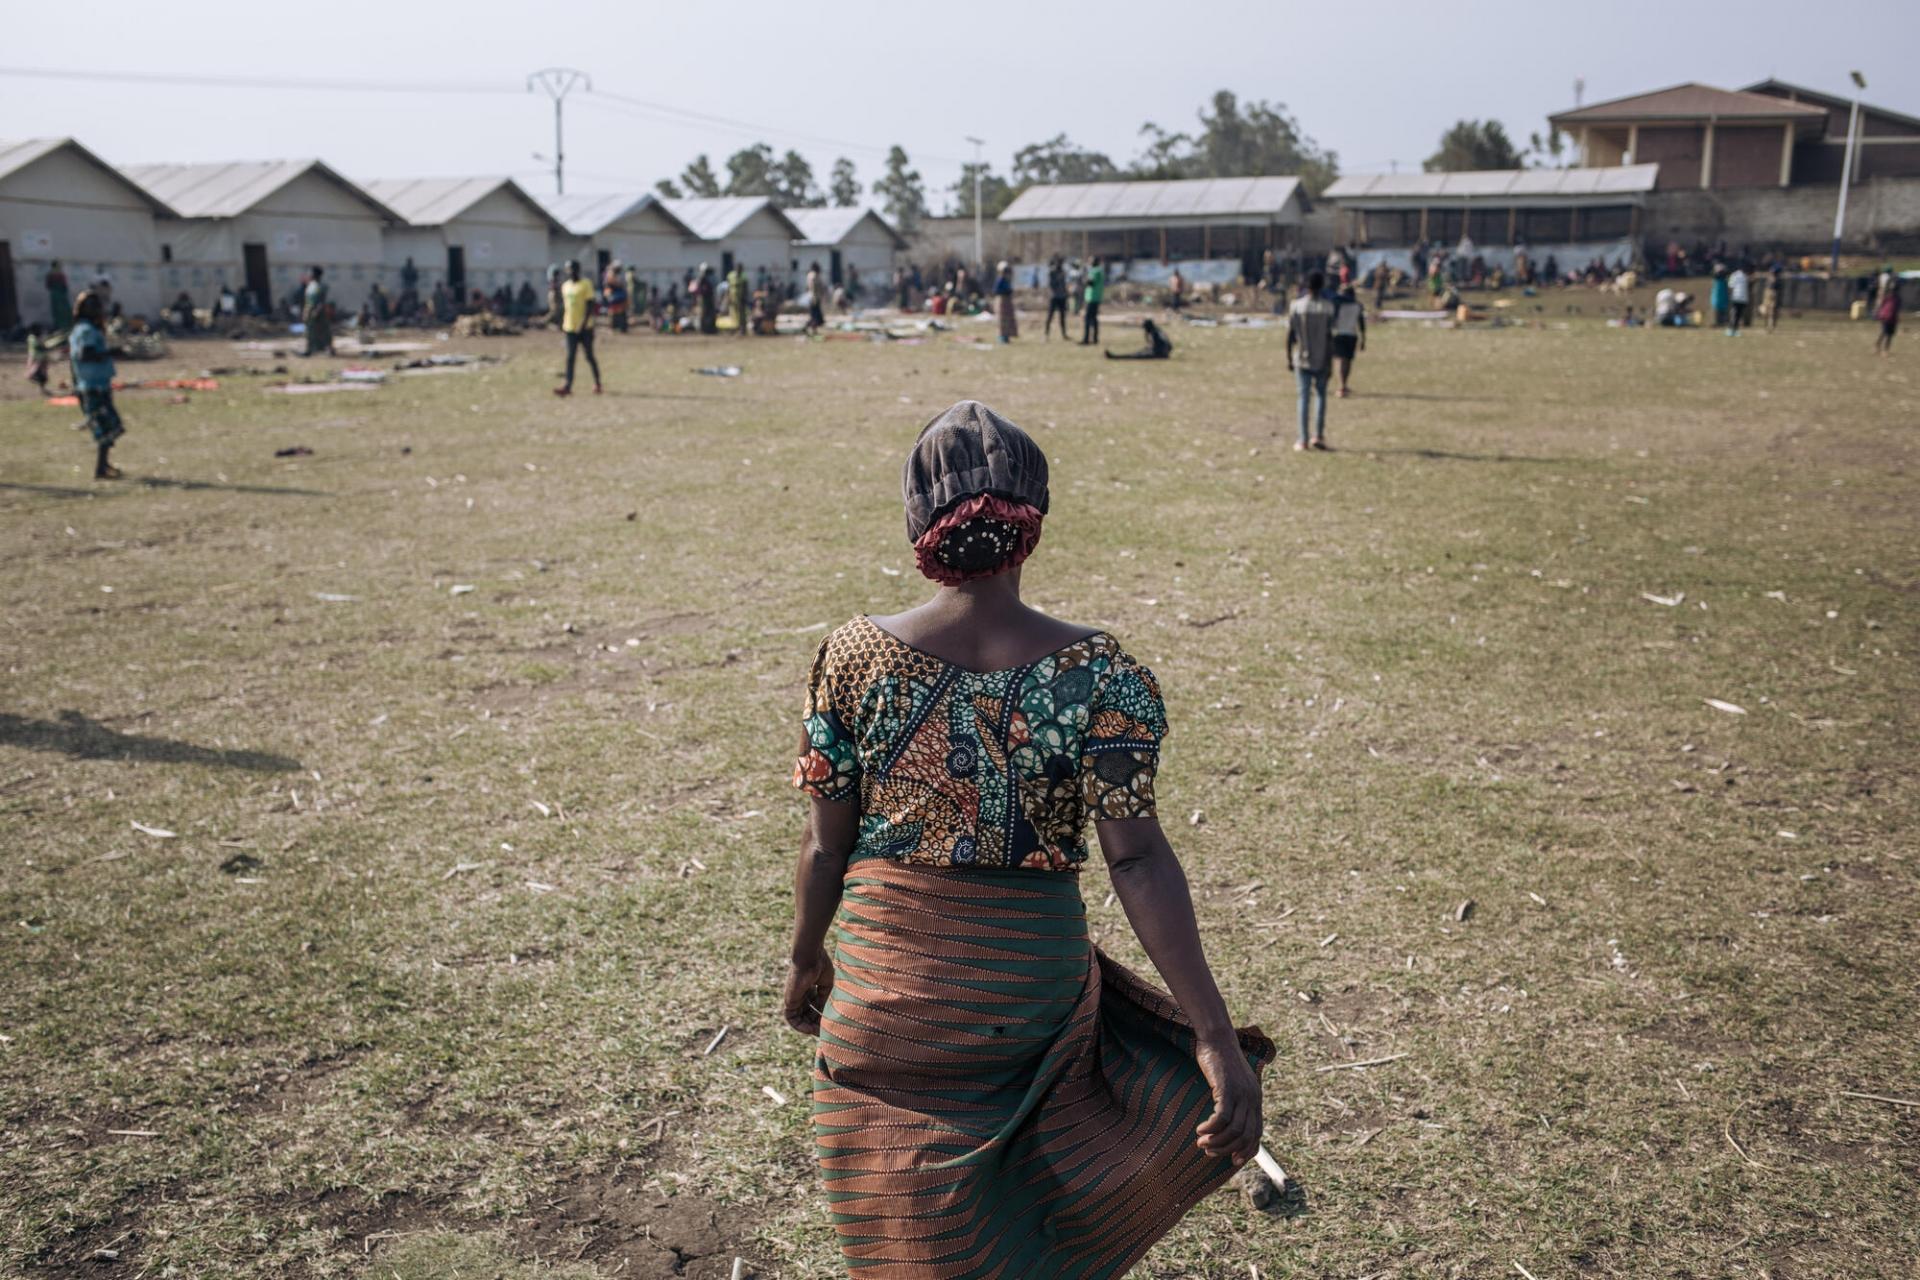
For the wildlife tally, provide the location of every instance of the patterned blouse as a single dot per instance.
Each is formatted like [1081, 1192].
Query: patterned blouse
[980, 769]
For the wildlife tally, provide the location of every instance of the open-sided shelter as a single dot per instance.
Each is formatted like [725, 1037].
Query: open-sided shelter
[1572, 215]
[468, 233]
[60, 202]
[259, 225]
[1231, 221]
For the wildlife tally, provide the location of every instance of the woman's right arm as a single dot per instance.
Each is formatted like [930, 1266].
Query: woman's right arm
[1152, 888]
[832, 827]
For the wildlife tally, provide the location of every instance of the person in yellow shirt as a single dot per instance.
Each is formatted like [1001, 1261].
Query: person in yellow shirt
[576, 321]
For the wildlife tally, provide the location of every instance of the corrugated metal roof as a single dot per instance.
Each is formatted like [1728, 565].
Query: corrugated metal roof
[831, 226]
[592, 213]
[1151, 201]
[1771, 88]
[17, 154]
[433, 202]
[229, 190]
[1686, 101]
[717, 217]
[1497, 184]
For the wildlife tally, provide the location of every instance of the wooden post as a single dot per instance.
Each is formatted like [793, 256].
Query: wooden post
[1633, 143]
[1513, 222]
[1163, 244]
[1085, 252]
[1706, 158]
[1206, 242]
[1573, 224]
[1786, 154]
[1423, 222]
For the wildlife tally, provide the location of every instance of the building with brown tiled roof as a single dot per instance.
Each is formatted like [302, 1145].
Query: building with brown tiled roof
[1887, 146]
[1700, 136]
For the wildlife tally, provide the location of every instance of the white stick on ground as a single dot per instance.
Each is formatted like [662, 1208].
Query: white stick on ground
[1364, 1062]
[1881, 1097]
[1271, 1167]
[1523, 1271]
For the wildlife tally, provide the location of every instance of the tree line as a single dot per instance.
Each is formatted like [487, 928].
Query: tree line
[1229, 140]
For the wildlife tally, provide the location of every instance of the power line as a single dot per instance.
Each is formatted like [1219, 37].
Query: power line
[258, 82]
[684, 115]
[606, 99]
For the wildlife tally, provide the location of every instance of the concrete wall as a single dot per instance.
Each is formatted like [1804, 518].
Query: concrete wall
[61, 207]
[937, 239]
[1747, 155]
[1678, 152]
[1883, 215]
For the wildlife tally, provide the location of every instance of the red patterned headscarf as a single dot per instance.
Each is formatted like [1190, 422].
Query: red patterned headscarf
[979, 538]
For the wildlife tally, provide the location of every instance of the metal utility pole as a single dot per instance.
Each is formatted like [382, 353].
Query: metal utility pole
[1846, 168]
[558, 83]
[979, 236]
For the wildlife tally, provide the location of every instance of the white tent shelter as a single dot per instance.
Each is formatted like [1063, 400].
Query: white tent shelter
[1185, 219]
[468, 233]
[1571, 215]
[60, 202]
[848, 243]
[632, 228]
[750, 231]
[259, 225]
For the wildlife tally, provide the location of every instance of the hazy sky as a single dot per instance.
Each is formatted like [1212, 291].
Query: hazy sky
[1377, 82]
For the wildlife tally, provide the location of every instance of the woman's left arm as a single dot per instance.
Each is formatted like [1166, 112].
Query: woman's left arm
[832, 827]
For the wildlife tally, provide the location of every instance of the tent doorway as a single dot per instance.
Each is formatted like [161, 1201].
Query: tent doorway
[457, 272]
[834, 273]
[254, 261]
[9, 296]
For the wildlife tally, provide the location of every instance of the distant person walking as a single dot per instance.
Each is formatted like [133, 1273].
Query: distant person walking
[92, 360]
[1888, 314]
[1177, 291]
[1056, 297]
[1739, 293]
[1003, 302]
[1096, 294]
[576, 322]
[555, 305]
[59, 296]
[1720, 298]
[816, 301]
[1770, 301]
[1310, 332]
[1077, 285]
[1349, 334]
[316, 312]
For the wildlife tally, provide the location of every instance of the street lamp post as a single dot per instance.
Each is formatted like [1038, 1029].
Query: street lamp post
[1846, 168]
[979, 234]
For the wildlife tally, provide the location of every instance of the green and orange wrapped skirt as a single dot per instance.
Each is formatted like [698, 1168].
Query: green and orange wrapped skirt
[993, 1097]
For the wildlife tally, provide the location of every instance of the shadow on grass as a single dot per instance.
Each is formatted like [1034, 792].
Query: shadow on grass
[160, 482]
[75, 735]
[1442, 455]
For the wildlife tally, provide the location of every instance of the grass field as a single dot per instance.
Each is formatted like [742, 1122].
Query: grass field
[464, 884]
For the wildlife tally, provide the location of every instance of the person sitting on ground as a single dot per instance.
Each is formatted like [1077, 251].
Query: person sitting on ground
[1159, 346]
[182, 312]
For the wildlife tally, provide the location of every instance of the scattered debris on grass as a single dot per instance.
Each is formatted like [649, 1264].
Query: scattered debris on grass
[1465, 909]
[779, 1098]
[720, 370]
[1732, 709]
[1364, 1062]
[158, 833]
[1671, 602]
[293, 451]
[714, 1043]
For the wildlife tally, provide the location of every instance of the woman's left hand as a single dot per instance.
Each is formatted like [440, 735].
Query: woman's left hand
[809, 984]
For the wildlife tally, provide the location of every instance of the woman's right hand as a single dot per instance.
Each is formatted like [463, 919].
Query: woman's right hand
[809, 983]
[1233, 1130]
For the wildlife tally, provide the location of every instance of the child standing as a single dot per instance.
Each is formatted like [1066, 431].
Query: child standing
[93, 379]
[37, 356]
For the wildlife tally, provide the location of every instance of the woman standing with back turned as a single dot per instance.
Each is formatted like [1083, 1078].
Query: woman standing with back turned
[992, 1095]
